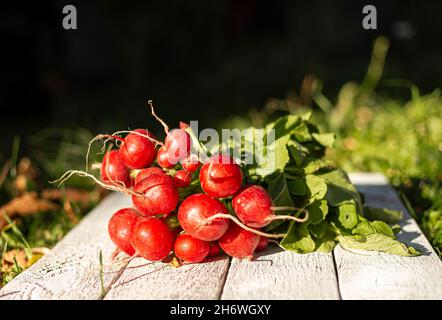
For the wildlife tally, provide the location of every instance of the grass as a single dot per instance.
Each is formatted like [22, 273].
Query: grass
[34, 215]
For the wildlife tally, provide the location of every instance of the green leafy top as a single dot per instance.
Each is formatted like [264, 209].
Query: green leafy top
[297, 176]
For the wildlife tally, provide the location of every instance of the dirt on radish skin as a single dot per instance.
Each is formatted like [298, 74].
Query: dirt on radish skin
[136, 151]
[239, 243]
[151, 238]
[120, 226]
[193, 216]
[191, 249]
[113, 171]
[220, 177]
[160, 196]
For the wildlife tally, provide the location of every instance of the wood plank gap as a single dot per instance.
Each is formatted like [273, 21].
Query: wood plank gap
[221, 291]
[337, 274]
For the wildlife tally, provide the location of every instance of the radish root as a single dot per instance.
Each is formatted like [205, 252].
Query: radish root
[165, 126]
[98, 137]
[242, 225]
[125, 260]
[114, 254]
[112, 187]
[96, 166]
[140, 134]
[287, 217]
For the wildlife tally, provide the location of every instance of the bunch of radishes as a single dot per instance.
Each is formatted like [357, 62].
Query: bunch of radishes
[193, 227]
[153, 177]
[189, 202]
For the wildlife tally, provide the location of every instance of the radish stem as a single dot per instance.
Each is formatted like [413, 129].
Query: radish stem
[287, 217]
[165, 126]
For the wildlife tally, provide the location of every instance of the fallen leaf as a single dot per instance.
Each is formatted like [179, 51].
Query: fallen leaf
[70, 211]
[26, 168]
[20, 183]
[72, 195]
[7, 263]
[19, 255]
[26, 204]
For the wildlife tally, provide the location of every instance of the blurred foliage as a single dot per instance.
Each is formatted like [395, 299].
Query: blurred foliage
[410, 133]
[431, 221]
[55, 149]
[375, 132]
[35, 215]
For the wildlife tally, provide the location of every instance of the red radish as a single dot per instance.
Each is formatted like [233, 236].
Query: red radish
[193, 216]
[177, 144]
[190, 163]
[191, 249]
[159, 195]
[263, 242]
[183, 125]
[113, 171]
[239, 243]
[220, 177]
[214, 249]
[182, 179]
[163, 159]
[119, 227]
[144, 173]
[254, 207]
[136, 151]
[151, 238]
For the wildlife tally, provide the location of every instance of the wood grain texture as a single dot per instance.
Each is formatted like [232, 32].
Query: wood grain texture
[279, 274]
[156, 280]
[71, 270]
[373, 275]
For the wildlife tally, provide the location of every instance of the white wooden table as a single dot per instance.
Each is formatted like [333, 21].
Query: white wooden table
[72, 269]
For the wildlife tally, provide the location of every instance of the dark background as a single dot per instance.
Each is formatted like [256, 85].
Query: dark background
[200, 60]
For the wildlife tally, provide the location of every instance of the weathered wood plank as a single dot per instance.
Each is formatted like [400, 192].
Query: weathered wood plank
[385, 276]
[156, 280]
[71, 270]
[278, 274]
